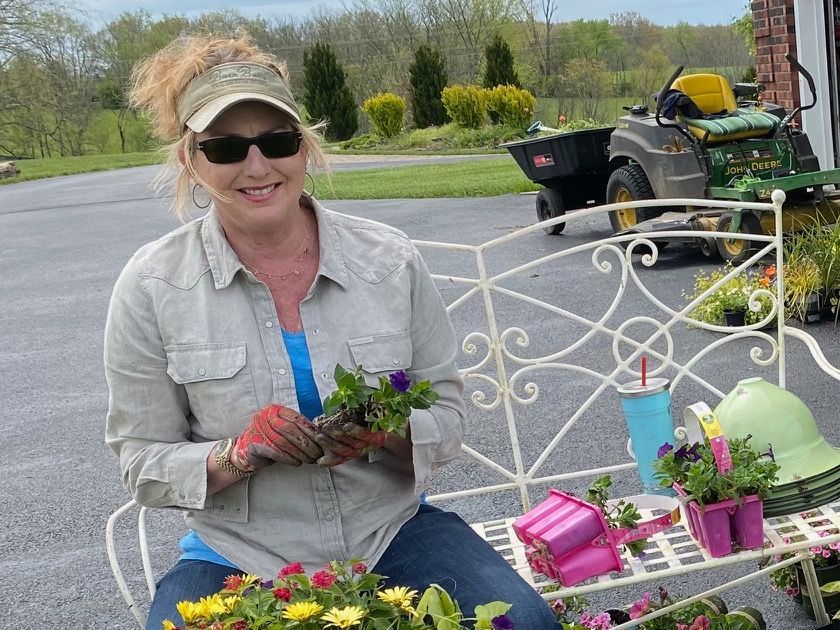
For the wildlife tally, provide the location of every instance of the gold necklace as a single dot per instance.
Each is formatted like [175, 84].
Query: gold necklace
[294, 273]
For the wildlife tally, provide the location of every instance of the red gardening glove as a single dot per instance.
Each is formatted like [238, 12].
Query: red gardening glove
[278, 434]
[349, 441]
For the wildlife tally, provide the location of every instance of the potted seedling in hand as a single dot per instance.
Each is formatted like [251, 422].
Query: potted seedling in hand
[375, 411]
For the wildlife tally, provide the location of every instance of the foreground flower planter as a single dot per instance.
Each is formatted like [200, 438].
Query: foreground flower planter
[718, 526]
[824, 576]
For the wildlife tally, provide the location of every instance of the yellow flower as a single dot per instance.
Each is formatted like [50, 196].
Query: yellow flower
[190, 611]
[168, 625]
[399, 596]
[301, 611]
[212, 606]
[231, 602]
[344, 617]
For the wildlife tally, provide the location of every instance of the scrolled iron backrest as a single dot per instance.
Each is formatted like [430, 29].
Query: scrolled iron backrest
[498, 376]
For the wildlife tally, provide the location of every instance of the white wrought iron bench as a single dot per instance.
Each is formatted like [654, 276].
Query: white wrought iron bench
[536, 406]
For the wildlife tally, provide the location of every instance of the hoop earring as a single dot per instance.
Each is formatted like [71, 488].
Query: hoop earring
[198, 205]
[311, 179]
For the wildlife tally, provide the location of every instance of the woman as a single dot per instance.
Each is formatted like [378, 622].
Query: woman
[221, 341]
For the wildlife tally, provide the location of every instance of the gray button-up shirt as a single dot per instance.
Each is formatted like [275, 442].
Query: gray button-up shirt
[193, 348]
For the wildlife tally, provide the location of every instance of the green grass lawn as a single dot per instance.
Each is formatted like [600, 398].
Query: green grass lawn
[53, 167]
[480, 178]
[455, 179]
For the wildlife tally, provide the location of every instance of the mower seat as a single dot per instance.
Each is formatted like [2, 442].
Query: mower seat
[713, 95]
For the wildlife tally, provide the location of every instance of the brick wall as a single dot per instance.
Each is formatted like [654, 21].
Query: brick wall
[775, 35]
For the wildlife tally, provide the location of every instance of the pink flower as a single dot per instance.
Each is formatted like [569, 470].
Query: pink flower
[601, 621]
[682, 626]
[291, 569]
[282, 593]
[826, 553]
[359, 568]
[701, 622]
[323, 579]
[640, 607]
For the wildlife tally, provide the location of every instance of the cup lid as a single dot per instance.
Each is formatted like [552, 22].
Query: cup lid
[635, 389]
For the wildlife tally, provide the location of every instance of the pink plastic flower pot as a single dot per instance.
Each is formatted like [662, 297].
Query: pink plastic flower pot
[716, 531]
[571, 539]
[716, 526]
[749, 523]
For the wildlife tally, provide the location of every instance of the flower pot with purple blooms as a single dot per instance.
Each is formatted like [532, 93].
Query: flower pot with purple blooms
[713, 478]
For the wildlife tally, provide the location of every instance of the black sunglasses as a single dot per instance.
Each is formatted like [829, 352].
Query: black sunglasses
[232, 149]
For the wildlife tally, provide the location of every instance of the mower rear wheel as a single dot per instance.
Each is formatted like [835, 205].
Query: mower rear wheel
[629, 183]
[550, 206]
[737, 250]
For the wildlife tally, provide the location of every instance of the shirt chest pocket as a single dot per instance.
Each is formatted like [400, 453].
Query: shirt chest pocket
[218, 383]
[382, 353]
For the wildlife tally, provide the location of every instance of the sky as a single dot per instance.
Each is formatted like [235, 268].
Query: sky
[658, 11]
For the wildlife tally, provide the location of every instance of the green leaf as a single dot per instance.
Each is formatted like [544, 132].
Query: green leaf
[484, 614]
[831, 587]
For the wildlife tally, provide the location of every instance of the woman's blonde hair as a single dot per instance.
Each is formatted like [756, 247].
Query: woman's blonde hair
[156, 85]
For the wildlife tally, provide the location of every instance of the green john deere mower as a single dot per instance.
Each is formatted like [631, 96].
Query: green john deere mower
[704, 140]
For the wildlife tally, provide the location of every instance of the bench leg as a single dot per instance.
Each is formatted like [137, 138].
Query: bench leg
[814, 589]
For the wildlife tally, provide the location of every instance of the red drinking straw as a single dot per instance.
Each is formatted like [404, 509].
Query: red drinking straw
[644, 370]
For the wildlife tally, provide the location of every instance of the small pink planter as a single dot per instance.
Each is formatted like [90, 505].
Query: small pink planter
[570, 538]
[718, 525]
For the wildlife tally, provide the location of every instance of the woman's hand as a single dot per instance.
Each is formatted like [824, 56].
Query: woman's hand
[345, 442]
[277, 434]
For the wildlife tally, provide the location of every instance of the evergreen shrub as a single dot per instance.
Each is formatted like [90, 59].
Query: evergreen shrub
[512, 106]
[386, 112]
[465, 104]
[326, 94]
[427, 78]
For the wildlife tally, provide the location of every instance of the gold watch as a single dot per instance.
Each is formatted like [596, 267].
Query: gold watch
[223, 461]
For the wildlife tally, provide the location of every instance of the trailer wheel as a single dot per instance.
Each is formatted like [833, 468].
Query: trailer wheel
[629, 183]
[737, 250]
[550, 206]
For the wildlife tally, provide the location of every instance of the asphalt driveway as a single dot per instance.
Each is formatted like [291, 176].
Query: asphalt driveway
[62, 243]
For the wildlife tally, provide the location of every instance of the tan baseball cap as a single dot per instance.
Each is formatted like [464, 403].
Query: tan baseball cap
[211, 93]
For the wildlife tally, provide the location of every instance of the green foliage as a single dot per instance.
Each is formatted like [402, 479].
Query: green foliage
[731, 295]
[812, 256]
[498, 69]
[589, 81]
[465, 104]
[617, 514]
[427, 78]
[326, 95]
[386, 112]
[695, 470]
[512, 106]
[387, 407]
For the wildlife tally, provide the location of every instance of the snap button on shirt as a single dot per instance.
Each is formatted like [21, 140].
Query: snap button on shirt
[269, 324]
[202, 372]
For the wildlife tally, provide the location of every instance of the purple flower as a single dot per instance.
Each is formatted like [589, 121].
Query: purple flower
[502, 622]
[664, 449]
[399, 381]
[689, 453]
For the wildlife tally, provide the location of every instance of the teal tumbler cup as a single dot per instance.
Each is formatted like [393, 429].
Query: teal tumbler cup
[647, 410]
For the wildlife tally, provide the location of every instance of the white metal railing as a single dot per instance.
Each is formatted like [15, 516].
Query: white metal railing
[494, 362]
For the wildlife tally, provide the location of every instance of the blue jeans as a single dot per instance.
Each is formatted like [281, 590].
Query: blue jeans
[432, 547]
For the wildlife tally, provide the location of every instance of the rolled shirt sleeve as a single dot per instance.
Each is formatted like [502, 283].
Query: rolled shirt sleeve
[147, 424]
[438, 432]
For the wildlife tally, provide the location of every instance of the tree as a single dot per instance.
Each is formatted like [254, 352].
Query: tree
[539, 36]
[326, 94]
[125, 40]
[427, 80]
[588, 81]
[498, 69]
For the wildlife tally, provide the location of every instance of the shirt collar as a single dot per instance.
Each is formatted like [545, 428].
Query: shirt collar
[224, 263]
